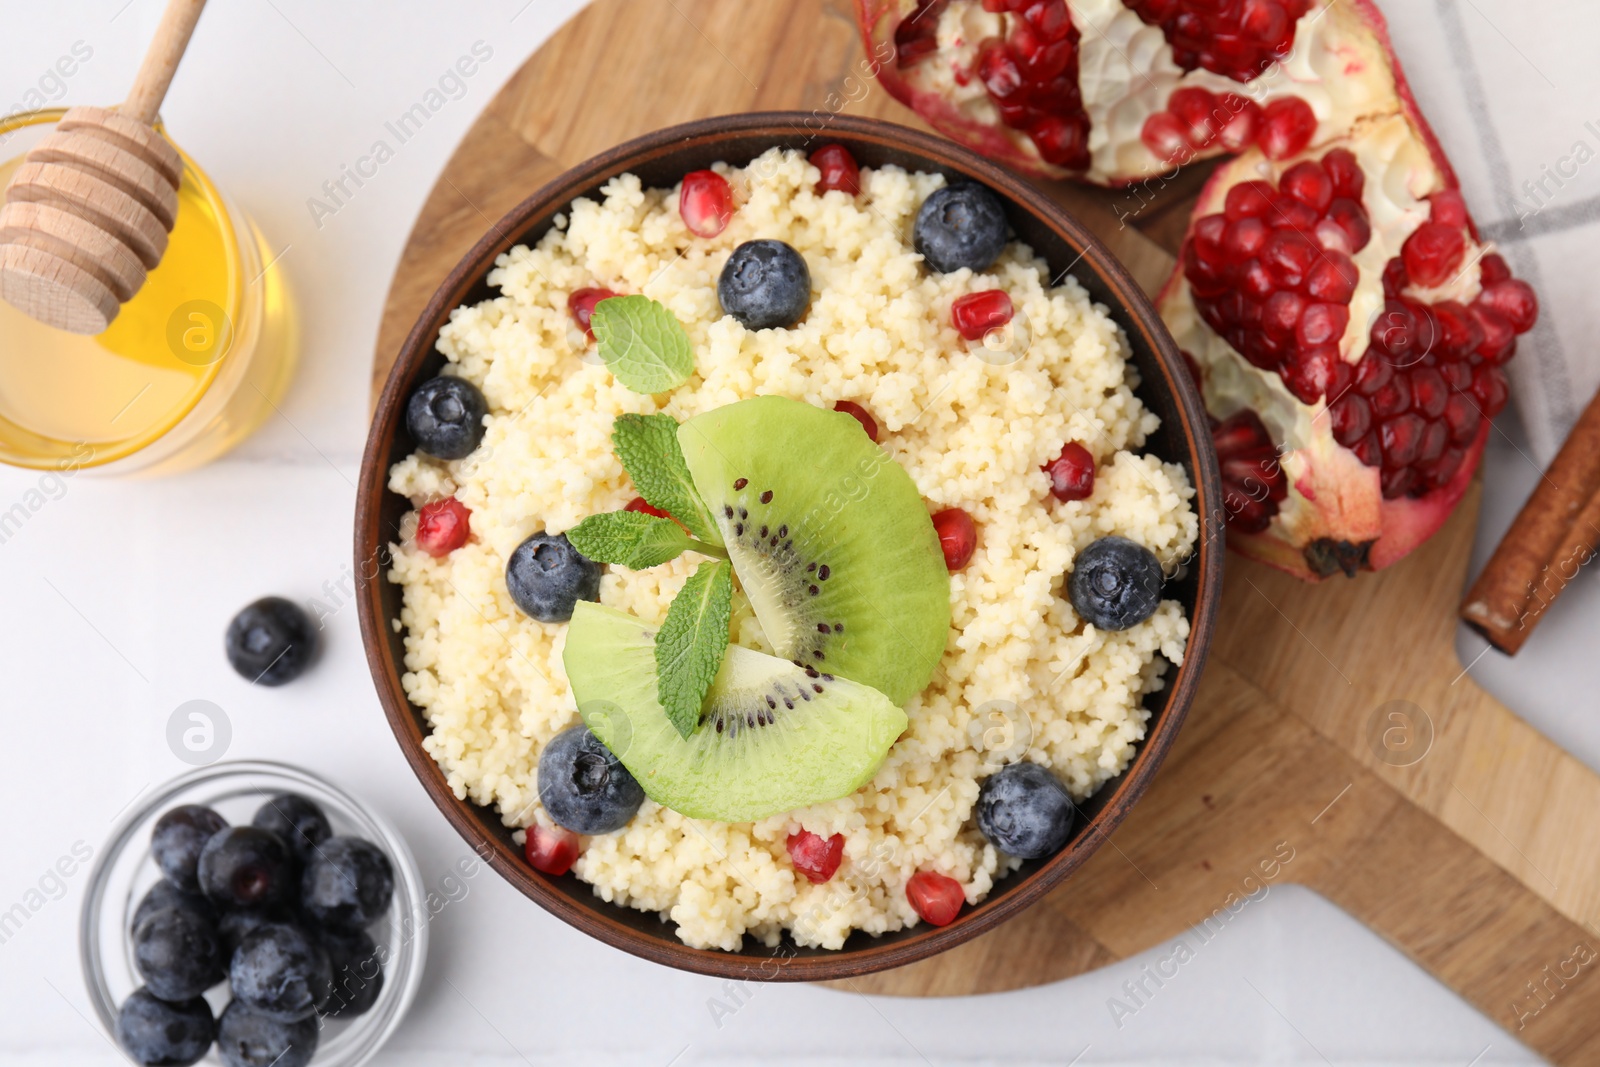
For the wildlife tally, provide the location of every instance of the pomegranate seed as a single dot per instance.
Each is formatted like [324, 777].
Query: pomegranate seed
[640, 505]
[1308, 183]
[1243, 238]
[1463, 418]
[1395, 278]
[1372, 375]
[1494, 268]
[1392, 399]
[1310, 377]
[1164, 135]
[1397, 483]
[958, 537]
[1449, 209]
[975, 314]
[1322, 324]
[1367, 450]
[1498, 336]
[1196, 110]
[1515, 301]
[1071, 473]
[1333, 279]
[839, 170]
[1489, 386]
[1254, 484]
[861, 415]
[1428, 393]
[1290, 214]
[1281, 313]
[581, 306]
[1251, 200]
[443, 526]
[814, 856]
[1243, 126]
[1351, 418]
[1238, 40]
[1433, 254]
[551, 852]
[1287, 126]
[1290, 255]
[705, 202]
[936, 897]
[1459, 333]
[1062, 140]
[1434, 438]
[1400, 438]
[1349, 181]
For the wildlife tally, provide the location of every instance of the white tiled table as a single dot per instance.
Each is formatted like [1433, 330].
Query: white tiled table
[113, 600]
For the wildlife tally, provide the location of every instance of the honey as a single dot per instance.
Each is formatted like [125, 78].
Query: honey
[191, 365]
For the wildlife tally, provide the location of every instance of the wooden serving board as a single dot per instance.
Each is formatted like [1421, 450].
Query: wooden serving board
[1334, 721]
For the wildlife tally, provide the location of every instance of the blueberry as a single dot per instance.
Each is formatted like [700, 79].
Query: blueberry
[176, 841]
[445, 417]
[250, 1038]
[246, 867]
[165, 895]
[299, 822]
[1115, 583]
[280, 970]
[583, 786]
[178, 952]
[347, 883]
[271, 641]
[236, 924]
[546, 577]
[961, 225]
[156, 1033]
[765, 284]
[357, 973]
[1025, 811]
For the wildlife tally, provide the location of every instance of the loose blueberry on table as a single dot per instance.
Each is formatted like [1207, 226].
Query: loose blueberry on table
[271, 642]
[290, 953]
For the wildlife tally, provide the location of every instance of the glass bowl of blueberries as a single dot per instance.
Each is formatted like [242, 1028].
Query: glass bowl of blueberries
[252, 914]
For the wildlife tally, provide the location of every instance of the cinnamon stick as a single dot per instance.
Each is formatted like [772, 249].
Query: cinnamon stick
[1554, 536]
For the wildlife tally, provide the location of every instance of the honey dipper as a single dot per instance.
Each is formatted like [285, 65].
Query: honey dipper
[88, 211]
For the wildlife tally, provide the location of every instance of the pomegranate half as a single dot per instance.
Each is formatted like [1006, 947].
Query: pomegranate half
[1343, 318]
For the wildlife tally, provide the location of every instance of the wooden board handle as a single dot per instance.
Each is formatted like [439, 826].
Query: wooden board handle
[161, 61]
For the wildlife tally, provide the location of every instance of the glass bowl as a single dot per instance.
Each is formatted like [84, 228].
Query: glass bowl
[124, 871]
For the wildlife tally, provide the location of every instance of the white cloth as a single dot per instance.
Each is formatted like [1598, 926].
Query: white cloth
[1513, 93]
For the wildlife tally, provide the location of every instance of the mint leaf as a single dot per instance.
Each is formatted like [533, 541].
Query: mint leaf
[642, 343]
[691, 643]
[629, 539]
[648, 447]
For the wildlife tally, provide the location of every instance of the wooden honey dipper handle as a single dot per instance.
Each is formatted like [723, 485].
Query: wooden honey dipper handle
[87, 213]
[161, 61]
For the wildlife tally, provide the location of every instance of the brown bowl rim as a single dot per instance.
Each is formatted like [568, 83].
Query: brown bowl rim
[594, 916]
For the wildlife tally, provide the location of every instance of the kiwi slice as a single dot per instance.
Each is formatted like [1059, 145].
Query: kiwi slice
[829, 538]
[772, 736]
